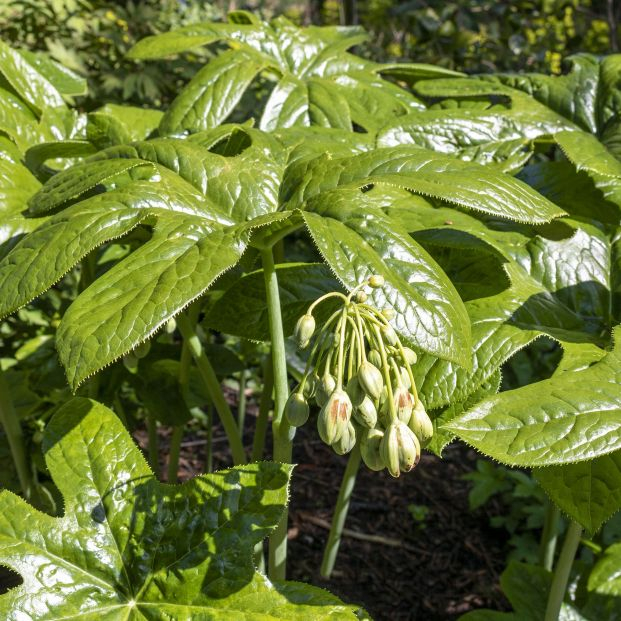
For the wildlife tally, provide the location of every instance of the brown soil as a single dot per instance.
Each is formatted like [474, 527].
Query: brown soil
[398, 569]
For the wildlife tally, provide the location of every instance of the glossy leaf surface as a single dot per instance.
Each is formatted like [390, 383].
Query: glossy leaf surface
[129, 547]
[572, 417]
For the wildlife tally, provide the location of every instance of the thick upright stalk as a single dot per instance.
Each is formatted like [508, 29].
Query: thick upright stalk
[340, 512]
[173, 454]
[241, 404]
[13, 430]
[562, 570]
[209, 440]
[549, 536]
[212, 385]
[153, 449]
[280, 426]
[265, 405]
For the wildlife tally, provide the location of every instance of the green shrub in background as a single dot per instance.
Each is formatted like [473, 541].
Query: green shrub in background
[92, 38]
[482, 35]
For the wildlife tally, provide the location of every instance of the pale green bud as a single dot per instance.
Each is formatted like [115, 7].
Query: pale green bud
[355, 392]
[375, 358]
[404, 403]
[142, 350]
[361, 297]
[346, 442]
[370, 379]
[334, 416]
[389, 334]
[410, 356]
[366, 414]
[389, 313]
[399, 448]
[324, 389]
[296, 409]
[421, 424]
[376, 281]
[370, 449]
[304, 330]
[171, 326]
[405, 377]
[310, 385]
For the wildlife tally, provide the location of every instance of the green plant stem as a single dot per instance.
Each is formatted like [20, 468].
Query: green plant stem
[549, 536]
[280, 427]
[340, 512]
[562, 570]
[241, 405]
[173, 455]
[212, 384]
[153, 443]
[13, 430]
[265, 405]
[209, 440]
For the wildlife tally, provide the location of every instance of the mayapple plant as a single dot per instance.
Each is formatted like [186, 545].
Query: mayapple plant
[448, 245]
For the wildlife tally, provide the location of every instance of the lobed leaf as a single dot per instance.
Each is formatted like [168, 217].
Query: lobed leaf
[129, 547]
[568, 418]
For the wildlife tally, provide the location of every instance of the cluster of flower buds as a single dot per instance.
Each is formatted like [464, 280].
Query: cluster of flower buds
[360, 375]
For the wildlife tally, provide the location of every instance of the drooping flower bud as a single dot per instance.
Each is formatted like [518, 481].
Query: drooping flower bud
[370, 449]
[310, 385]
[405, 377]
[304, 329]
[171, 325]
[334, 416]
[296, 409]
[355, 391]
[361, 296]
[389, 313]
[366, 413]
[389, 334]
[376, 281]
[399, 448]
[375, 358]
[370, 379]
[421, 424]
[346, 442]
[324, 389]
[410, 356]
[404, 403]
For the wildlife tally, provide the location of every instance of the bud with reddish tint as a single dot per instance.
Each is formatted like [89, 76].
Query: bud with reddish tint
[334, 416]
[399, 448]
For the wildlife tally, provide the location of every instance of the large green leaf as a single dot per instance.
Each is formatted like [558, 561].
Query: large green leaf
[212, 93]
[422, 172]
[589, 491]
[311, 76]
[480, 136]
[357, 240]
[17, 185]
[130, 548]
[137, 296]
[27, 81]
[552, 279]
[571, 417]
